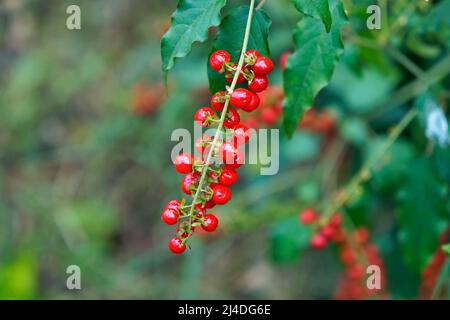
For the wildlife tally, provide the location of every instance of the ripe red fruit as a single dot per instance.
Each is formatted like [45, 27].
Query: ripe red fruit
[361, 235]
[218, 58]
[328, 232]
[174, 205]
[262, 66]
[183, 163]
[211, 223]
[308, 216]
[203, 116]
[176, 245]
[228, 177]
[241, 98]
[201, 145]
[356, 272]
[218, 100]
[170, 216]
[252, 53]
[254, 102]
[221, 194]
[336, 220]
[259, 84]
[269, 116]
[241, 134]
[318, 241]
[231, 155]
[230, 75]
[348, 256]
[209, 204]
[189, 181]
[232, 118]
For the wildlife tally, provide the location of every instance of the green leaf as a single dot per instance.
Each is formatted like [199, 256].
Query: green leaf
[231, 36]
[311, 66]
[190, 23]
[318, 9]
[446, 248]
[422, 213]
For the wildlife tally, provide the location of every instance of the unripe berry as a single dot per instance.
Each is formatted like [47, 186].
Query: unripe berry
[218, 58]
[176, 245]
[211, 223]
[183, 163]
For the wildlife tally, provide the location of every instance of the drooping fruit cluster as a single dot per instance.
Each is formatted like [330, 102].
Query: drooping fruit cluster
[269, 111]
[431, 273]
[207, 181]
[356, 253]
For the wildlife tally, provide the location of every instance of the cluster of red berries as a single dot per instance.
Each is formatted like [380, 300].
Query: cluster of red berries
[352, 284]
[431, 273]
[218, 175]
[270, 109]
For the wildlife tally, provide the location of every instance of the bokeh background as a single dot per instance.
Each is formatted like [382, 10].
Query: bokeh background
[85, 166]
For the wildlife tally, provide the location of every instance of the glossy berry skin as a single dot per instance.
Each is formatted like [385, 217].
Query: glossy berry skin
[218, 100]
[241, 98]
[228, 177]
[203, 115]
[259, 84]
[241, 134]
[183, 163]
[209, 204]
[318, 241]
[211, 223]
[201, 145]
[231, 119]
[231, 156]
[176, 245]
[189, 181]
[263, 66]
[170, 216]
[230, 75]
[254, 102]
[174, 205]
[218, 58]
[221, 194]
[308, 216]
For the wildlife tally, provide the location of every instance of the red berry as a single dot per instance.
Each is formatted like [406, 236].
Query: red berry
[204, 115]
[348, 256]
[308, 216]
[269, 116]
[188, 182]
[218, 100]
[361, 235]
[218, 58]
[209, 204]
[336, 220]
[254, 102]
[232, 118]
[241, 134]
[174, 205]
[201, 145]
[211, 223]
[253, 53]
[231, 155]
[228, 177]
[176, 245]
[183, 163]
[170, 216]
[328, 232]
[356, 272]
[259, 84]
[221, 194]
[262, 66]
[318, 241]
[230, 75]
[241, 98]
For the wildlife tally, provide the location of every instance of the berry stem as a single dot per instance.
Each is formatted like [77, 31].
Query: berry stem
[224, 111]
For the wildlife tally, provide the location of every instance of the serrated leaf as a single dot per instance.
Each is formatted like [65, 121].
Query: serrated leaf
[231, 36]
[311, 66]
[422, 213]
[318, 9]
[190, 23]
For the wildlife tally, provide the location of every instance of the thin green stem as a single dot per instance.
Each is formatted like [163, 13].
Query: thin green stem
[224, 111]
